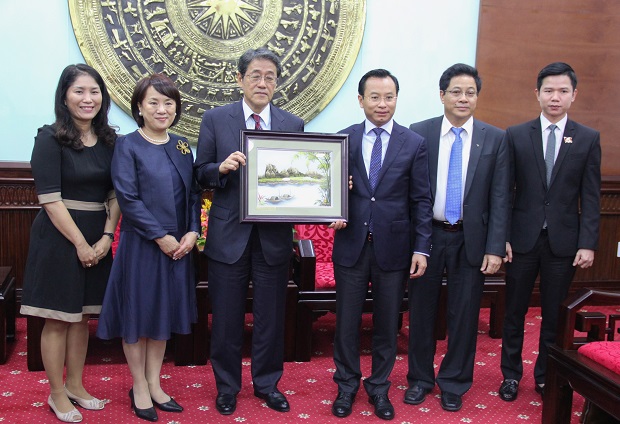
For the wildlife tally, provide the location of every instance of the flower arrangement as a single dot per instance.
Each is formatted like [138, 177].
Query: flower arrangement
[204, 223]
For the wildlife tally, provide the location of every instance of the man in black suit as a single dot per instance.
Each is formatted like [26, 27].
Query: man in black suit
[468, 165]
[239, 252]
[556, 178]
[385, 241]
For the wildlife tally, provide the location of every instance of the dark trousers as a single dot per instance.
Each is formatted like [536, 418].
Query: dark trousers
[387, 295]
[465, 287]
[556, 275]
[228, 287]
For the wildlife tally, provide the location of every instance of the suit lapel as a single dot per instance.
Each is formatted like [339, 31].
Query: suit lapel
[237, 122]
[394, 145]
[277, 120]
[539, 156]
[178, 158]
[476, 146]
[355, 151]
[569, 131]
[432, 142]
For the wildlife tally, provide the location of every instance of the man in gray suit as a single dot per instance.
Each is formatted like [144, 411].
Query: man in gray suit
[239, 252]
[469, 172]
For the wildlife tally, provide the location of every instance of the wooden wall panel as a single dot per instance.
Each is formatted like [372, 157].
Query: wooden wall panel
[516, 39]
[18, 208]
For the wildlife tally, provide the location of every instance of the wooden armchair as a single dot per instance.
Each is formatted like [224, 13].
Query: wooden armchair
[195, 348]
[314, 274]
[574, 364]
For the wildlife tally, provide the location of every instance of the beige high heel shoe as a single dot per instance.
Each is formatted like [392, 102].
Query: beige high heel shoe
[72, 416]
[92, 404]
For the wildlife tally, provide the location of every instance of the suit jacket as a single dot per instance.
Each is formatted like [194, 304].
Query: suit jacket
[575, 183]
[485, 197]
[144, 187]
[219, 137]
[400, 205]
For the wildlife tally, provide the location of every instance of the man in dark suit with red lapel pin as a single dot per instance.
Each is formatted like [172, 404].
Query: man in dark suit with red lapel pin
[384, 242]
[556, 170]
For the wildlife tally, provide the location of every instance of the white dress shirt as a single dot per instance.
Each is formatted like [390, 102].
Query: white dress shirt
[368, 140]
[265, 117]
[446, 140]
[544, 125]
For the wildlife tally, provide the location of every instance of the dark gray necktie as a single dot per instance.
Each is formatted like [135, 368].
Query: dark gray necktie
[550, 152]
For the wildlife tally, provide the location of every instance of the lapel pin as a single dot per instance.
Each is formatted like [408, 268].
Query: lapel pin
[568, 140]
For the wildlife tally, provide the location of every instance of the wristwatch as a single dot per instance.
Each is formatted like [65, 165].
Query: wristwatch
[111, 235]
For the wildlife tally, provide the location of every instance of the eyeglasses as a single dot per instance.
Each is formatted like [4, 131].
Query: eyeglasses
[377, 99]
[457, 92]
[255, 79]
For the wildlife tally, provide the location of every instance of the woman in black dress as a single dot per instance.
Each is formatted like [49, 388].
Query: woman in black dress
[151, 292]
[69, 257]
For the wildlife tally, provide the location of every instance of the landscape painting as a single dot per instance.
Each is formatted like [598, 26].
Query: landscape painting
[294, 177]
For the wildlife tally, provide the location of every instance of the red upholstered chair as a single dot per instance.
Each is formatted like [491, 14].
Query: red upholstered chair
[314, 274]
[589, 365]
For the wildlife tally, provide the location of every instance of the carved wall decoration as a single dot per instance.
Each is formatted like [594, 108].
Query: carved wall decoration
[198, 42]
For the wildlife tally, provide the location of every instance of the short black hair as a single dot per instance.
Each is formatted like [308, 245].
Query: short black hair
[260, 53]
[557, 68]
[376, 73]
[163, 85]
[456, 70]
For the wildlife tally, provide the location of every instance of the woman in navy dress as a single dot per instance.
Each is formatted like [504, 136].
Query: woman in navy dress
[69, 257]
[151, 291]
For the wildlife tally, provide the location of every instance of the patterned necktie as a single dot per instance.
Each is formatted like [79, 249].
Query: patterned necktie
[375, 167]
[257, 122]
[550, 152]
[453, 188]
[375, 159]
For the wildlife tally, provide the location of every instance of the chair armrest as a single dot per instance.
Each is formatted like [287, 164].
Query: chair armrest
[304, 265]
[569, 309]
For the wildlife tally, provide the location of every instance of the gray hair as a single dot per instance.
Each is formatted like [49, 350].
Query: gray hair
[260, 53]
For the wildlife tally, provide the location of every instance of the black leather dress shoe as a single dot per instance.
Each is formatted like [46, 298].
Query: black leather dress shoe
[451, 402]
[540, 389]
[225, 403]
[383, 406]
[415, 395]
[275, 400]
[148, 414]
[343, 404]
[509, 390]
[170, 406]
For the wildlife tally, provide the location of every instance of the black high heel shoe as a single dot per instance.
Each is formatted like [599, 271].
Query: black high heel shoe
[170, 406]
[148, 414]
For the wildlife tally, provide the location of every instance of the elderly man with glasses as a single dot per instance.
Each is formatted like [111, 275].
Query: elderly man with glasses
[240, 252]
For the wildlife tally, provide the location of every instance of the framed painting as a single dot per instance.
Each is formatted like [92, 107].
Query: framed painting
[294, 177]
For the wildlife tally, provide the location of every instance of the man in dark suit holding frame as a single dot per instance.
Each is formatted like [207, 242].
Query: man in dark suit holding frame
[556, 178]
[239, 252]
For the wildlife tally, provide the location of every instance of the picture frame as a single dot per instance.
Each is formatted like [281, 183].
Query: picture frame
[294, 177]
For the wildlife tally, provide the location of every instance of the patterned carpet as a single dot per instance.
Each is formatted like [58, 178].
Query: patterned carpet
[308, 386]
